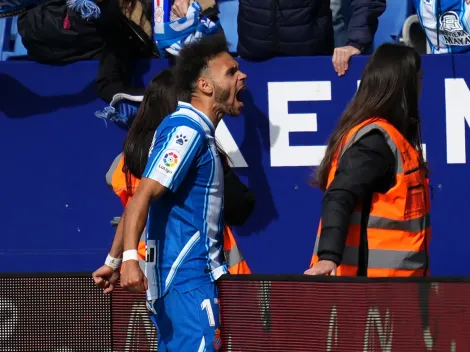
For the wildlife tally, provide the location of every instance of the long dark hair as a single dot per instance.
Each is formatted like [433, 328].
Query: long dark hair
[128, 7]
[160, 99]
[389, 89]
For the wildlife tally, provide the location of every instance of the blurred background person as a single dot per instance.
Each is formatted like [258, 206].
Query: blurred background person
[446, 24]
[355, 23]
[65, 31]
[305, 28]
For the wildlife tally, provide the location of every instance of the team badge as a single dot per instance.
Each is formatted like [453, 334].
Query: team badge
[217, 340]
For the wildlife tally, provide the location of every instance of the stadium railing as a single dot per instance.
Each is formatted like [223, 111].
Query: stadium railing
[66, 312]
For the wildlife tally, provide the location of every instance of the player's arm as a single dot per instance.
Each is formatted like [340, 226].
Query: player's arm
[108, 274]
[116, 246]
[175, 150]
[135, 215]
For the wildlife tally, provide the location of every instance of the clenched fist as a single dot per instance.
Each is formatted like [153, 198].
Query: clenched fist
[132, 277]
[106, 278]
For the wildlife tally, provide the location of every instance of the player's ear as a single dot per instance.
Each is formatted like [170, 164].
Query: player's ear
[205, 85]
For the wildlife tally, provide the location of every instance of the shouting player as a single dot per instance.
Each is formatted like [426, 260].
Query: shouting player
[180, 198]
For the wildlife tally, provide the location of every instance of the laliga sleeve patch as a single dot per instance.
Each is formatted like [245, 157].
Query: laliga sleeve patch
[169, 162]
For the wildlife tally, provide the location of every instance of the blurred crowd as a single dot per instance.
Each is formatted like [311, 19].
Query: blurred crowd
[120, 32]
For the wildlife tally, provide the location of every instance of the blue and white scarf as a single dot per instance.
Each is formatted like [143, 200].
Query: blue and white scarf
[121, 110]
[172, 34]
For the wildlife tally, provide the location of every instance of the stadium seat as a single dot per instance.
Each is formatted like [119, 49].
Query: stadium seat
[413, 35]
[391, 21]
[228, 19]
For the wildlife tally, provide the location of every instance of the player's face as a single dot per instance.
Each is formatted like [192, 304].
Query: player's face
[228, 83]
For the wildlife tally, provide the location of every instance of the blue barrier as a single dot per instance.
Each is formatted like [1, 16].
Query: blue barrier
[56, 208]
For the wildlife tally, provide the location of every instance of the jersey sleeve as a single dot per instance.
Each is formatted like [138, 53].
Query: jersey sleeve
[173, 152]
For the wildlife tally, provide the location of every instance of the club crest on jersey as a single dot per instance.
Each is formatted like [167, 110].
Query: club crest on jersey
[169, 162]
[217, 340]
[452, 30]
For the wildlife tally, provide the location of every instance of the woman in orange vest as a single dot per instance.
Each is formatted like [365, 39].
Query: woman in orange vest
[375, 217]
[124, 175]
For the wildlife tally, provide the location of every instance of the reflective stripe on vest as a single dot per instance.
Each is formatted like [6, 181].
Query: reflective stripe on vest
[369, 128]
[377, 222]
[405, 232]
[233, 256]
[112, 170]
[383, 258]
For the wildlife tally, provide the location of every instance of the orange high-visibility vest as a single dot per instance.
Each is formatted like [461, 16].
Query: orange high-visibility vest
[235, 261]
[398, 229]
[116, 179]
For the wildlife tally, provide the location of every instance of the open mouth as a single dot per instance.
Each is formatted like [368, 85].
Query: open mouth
[238, 96]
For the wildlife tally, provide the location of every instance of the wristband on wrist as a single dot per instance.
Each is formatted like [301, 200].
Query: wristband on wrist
[130, 254]
[112, 262]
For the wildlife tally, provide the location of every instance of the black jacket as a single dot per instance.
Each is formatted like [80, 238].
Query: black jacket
[269, 28]
[365, 168]
[364, 22]
[55, 35]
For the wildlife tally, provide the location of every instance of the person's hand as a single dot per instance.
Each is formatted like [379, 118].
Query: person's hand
[180, 7]
[341, 57]
[132, 277]
[106, 278]
[323, 267]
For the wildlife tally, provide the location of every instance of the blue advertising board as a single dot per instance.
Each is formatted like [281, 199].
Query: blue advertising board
[56, 208]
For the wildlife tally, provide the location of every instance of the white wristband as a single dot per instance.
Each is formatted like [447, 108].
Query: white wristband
[112, 262]
[130, 254]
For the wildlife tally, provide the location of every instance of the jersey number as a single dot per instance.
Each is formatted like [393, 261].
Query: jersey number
[206, 305]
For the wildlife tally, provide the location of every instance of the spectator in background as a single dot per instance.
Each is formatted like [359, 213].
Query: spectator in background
[270, 28]
[55, 35]
[446, 24]
[355, 23]
[62, 32]
[304, 27]
[122, 51]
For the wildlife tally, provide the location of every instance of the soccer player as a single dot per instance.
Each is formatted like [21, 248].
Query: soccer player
[180, 197]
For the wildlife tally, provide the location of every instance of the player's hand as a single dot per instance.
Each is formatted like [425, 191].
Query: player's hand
[341, 57]
[323, 267]
[132, 277]
[106, 278]
[180, 7]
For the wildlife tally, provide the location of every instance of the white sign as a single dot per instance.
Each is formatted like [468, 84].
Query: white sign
[281, 123]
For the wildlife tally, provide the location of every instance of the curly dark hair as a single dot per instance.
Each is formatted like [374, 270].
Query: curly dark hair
[194, 57]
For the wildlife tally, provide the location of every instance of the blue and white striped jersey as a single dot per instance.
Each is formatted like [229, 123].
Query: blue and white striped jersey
[185, 226]
[446, 24]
